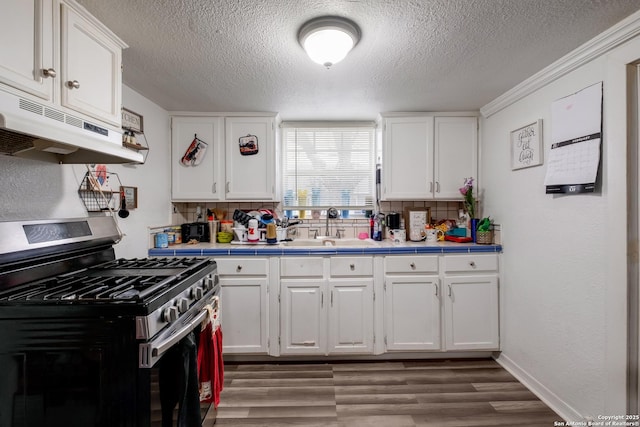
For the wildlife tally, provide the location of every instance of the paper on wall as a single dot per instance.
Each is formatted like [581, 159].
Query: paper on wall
[576, 135]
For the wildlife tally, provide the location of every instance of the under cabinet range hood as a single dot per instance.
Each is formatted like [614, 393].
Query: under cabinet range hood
[38, 131]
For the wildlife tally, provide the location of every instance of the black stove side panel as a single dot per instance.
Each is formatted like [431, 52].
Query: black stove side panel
[71, 373]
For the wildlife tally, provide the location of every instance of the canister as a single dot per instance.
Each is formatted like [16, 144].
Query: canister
[161, 240]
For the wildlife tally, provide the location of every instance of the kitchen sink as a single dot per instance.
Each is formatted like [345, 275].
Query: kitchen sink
[331, 242]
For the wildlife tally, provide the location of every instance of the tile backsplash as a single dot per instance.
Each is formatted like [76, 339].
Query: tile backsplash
[349, 228]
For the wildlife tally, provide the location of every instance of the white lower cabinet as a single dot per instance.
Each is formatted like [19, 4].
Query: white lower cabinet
[303, 318]
[471, 313]
[412, 303]
[326, 307]
[244, 304]
[412, 313]
[351, 316]
[471, 307]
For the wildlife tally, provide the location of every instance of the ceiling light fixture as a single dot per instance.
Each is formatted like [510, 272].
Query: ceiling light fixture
[328, 39]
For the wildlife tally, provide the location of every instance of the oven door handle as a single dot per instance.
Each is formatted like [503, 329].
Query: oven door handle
[149, 353]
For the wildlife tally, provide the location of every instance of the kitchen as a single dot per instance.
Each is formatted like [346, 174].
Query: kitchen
[565, 260]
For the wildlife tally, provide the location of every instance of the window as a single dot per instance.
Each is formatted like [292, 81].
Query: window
[325, 166]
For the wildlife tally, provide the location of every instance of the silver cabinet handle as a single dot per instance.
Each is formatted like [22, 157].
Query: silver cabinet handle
[49, 72]
[321, 299]
[472, 264]
[215, 187]
[73, 84]
[430, 186]
[331, 298]
[412, 265]
[437, 186]
[436, 286]
[449, 290]
[227, 187]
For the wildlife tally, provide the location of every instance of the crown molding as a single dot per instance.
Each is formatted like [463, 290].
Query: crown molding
[623, 31]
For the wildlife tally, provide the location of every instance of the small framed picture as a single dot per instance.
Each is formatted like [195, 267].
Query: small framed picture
[130, 196]
[132, 121]
[415, 218]
[526, 146]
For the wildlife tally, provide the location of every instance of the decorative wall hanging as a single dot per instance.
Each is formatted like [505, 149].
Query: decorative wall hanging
[576, 139]
[195, 153]
[248, 145]
[130, 195]
[132, 121]
[526, 146]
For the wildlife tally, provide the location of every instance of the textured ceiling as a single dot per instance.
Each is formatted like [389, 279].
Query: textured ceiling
[419, 55]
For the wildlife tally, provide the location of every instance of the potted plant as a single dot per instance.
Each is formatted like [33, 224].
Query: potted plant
[484, 231]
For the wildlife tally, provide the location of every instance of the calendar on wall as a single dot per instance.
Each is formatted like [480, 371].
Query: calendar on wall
[576, 138]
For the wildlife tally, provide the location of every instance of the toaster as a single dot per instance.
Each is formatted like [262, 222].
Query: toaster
[195, 231]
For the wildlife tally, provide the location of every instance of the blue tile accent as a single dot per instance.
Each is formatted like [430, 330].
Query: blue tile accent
[278, 250]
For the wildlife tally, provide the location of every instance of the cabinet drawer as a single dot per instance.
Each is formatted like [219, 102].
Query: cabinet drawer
[411, 264]
[242, 266]
[466, 263]
[301, 267]
[348, 266]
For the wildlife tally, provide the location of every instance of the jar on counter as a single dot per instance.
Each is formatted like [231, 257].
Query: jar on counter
[161, 240]
[178, 233]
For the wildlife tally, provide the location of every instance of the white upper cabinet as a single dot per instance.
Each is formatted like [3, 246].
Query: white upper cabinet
[250, 158]
[455, 153]
[407, 158]
[91, 68]
[26, 47]
[202, 178]
[224, 172]
[427, 156]
[57, 52]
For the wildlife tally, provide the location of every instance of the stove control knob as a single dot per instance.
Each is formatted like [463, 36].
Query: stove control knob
[207, 283]
[197, 293]
[170, 314]
[183, 305]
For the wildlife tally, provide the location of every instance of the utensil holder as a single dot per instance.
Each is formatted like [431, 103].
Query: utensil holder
[484, 237]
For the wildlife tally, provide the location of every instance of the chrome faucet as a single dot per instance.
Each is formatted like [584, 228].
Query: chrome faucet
[333, 214]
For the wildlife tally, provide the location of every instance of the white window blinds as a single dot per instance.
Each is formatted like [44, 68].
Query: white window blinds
[328, 166]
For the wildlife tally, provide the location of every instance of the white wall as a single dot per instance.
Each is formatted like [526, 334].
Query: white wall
[36, 190]
[563, 289]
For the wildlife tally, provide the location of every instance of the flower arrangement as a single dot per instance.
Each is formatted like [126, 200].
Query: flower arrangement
[469, 201]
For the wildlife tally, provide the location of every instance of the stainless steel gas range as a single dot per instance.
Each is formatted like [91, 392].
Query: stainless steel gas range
[90, 340]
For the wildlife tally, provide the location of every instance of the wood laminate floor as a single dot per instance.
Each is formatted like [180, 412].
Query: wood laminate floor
[434, 393]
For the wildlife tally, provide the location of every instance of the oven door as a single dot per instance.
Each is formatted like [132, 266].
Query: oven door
[169, 372]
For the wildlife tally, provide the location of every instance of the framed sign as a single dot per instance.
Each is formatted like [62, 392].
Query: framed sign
[130, 196]
[526, 146]
[132, 121]
[415, 218]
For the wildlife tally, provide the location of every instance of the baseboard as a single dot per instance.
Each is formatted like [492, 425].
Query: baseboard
[543, 393]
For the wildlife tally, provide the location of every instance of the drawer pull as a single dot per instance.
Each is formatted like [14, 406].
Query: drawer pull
[436, 286]
[239, 268]
[449, 290]
[412, 265]
[472, 264]
[352, 267]
[49, 72]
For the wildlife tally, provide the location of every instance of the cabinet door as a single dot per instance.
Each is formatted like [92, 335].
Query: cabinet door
[26, 46]
[203, 181]
[303, 319]
[351, 316]
[250, 175]
[456, 154]
[412, 313]
[91, 75]
[471, 312]
[243, 314]
[407, 163]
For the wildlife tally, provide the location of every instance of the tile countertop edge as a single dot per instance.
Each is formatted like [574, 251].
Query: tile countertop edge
[279, 250]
